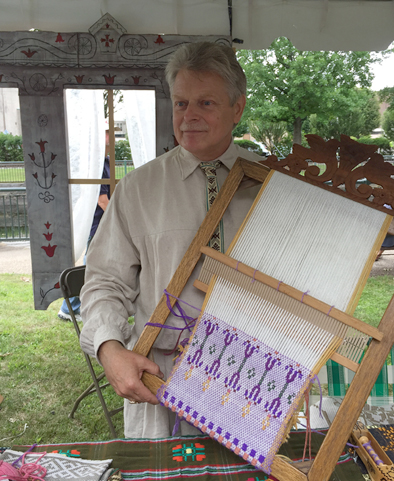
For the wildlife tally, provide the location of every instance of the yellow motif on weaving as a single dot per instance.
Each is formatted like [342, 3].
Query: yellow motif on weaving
[188, 373]
[266, 422]
[205, 384]
[226, 397]
[246, 409]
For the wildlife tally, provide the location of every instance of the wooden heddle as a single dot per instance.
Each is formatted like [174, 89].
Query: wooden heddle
[279, 303]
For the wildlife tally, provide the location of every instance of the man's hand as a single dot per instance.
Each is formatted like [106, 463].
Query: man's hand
[124, 368]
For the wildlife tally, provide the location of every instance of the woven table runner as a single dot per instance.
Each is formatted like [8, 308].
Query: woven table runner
[189, 456]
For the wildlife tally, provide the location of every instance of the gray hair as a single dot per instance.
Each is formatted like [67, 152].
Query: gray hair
[209, 57]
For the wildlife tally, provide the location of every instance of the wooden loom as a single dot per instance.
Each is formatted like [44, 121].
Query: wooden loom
[347, 171]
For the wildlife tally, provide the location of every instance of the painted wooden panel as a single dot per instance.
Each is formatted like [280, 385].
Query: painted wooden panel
[47, 188]
[41, 65]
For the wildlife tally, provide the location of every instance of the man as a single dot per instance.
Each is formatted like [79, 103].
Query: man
[153, 216]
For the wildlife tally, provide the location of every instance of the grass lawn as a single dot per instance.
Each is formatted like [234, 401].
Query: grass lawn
[42, 370]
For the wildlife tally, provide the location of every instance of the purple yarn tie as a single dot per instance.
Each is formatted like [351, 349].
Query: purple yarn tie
[254, 273]
[304, 294]
[190, 322]
[176, 425]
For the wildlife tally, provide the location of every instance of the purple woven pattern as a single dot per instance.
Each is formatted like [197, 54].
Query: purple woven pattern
[236, 389]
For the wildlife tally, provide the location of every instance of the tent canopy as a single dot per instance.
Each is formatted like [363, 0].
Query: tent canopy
[309, 24]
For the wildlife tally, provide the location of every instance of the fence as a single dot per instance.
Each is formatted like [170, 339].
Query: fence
[13, 205]
[13, 214]
[14, 172]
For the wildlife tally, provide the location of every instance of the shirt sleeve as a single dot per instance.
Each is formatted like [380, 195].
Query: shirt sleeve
[111, 278]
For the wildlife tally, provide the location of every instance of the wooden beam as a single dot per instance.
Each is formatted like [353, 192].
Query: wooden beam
[294, 293]
[354, 401]
[112, 174]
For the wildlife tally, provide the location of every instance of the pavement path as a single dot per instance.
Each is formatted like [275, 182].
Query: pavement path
[15, 259]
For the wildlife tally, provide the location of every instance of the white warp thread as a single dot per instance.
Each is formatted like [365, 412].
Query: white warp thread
[309, 238]
[262, 320]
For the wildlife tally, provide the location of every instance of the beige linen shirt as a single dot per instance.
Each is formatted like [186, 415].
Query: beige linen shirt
[150, 221]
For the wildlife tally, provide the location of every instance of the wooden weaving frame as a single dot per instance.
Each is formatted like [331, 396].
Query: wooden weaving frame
[367, 371]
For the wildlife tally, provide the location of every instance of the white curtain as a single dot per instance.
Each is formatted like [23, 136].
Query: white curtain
[140, 112]
[86, 140]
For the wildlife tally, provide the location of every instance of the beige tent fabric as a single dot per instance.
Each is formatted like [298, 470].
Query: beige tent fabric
[310, 24]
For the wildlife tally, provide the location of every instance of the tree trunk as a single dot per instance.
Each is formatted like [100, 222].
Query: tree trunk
[297, 131]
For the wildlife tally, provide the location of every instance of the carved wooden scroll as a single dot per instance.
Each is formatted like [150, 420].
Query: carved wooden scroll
[344, 162]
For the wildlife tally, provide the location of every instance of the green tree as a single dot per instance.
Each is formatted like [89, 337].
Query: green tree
[11, 148]
[241, 128]
[122, 150]
[118, 99]
[274, 135]
[387, 95]
[249, 145]
[382, 142]
[288, 85]
[360, 117]
[388, 124]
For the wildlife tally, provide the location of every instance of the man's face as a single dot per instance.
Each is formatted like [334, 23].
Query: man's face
[203, 118]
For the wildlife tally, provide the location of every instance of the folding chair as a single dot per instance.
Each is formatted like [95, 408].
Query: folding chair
[71, 282]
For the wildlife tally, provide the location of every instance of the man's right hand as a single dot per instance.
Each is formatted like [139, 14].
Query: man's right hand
[124, 369]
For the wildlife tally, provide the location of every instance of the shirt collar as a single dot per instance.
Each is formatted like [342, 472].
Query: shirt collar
[188, 163]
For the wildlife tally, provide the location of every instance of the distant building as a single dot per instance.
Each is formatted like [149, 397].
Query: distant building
[120, 129]
[10, 118]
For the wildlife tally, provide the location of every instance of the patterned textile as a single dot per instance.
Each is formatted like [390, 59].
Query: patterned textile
[212, 189]
[176, 458]
[370, 415]
[63, 467]
[236, 389]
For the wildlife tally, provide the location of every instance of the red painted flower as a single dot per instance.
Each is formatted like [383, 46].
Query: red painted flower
[159, 39]
[53, 176]
[1, 76]
[49, 250]
[47, 225]
[59, 38]
[79, 78]
[48, 236]
[35, 175]
[109, 80]
[42, 143]
[136, 79]
[56, 286]
[53, 156]
[29, 53]
[32, 156]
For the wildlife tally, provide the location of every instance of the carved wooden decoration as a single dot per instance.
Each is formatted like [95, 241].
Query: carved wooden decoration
[41, 65]
[346, 162]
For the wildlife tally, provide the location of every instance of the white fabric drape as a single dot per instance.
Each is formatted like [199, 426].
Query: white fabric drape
[86, 139]
[140, 111]
[309, 24]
